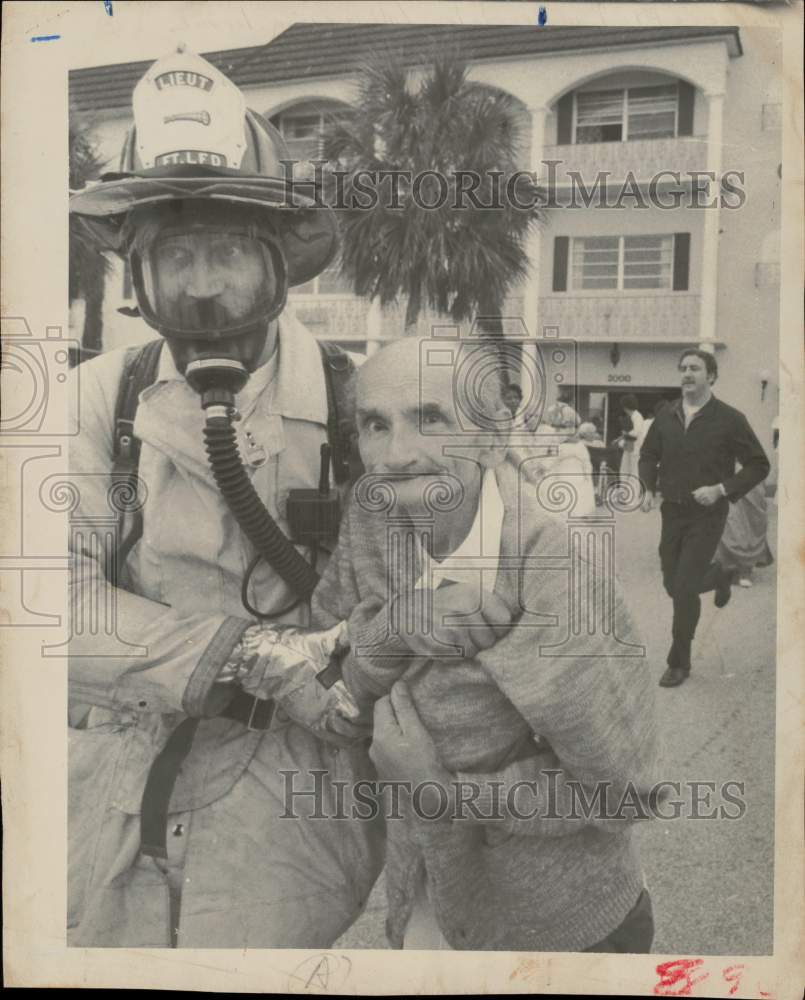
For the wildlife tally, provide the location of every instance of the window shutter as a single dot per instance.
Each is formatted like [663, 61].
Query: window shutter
[561, 246]
[564, 124]
[681, 261]
[685, 115]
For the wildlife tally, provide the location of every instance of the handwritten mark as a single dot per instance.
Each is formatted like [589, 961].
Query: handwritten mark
[542, 17]
[676, 979]
[323, 973]
[107, 6]
[45, 38]
[732, 974]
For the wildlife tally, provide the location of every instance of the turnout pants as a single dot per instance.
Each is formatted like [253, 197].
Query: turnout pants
[690, 537]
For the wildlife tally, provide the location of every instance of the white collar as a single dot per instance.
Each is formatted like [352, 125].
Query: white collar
[482, 541]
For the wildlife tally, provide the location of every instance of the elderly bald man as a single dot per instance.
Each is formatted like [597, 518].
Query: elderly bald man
[451, 634]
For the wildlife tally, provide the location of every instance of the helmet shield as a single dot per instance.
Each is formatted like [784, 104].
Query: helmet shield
[209, 281]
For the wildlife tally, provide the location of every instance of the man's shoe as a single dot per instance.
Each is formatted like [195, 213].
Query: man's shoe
[674, 676]
[723, 588]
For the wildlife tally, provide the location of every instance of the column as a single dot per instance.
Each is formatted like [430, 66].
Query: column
[531, 297]
[709, 275]
[374, 327]
[94, 562]
[587, 626]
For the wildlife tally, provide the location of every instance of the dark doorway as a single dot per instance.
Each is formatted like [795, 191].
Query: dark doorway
[647, 400]
[602, 405]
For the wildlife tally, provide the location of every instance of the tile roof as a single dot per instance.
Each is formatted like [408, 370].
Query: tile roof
[322, 49]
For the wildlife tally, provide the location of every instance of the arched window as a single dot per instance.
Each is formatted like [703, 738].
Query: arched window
[625, 107]
[303, 126]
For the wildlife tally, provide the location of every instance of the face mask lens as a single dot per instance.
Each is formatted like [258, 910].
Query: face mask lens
[209, 282]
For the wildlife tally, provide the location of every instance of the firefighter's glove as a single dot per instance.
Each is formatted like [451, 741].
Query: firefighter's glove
[295, 667]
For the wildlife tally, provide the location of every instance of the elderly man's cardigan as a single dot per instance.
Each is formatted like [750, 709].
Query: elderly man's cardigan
[559, 880]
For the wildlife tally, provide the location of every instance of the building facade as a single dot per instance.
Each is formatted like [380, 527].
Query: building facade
[659, 153]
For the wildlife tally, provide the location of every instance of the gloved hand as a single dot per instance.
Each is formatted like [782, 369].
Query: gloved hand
[282, 662]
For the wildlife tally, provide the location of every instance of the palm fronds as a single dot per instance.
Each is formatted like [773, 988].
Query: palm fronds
[436, 135]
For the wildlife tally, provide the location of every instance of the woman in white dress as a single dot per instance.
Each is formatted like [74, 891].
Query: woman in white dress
[631, 439]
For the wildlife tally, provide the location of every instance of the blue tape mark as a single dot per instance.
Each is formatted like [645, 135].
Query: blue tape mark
[107, 6]
[45, 38]
[542, 17]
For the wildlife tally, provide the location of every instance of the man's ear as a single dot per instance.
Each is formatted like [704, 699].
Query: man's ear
[494, 453]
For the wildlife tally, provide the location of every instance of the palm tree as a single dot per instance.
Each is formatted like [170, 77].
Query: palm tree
[88, 267]
[456, 261]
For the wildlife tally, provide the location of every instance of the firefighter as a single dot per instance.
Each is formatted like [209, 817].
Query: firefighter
[182, 828]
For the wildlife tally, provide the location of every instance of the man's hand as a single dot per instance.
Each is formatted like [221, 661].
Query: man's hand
[649, 502]
[707, 495]
[402, 750]
[420, 617]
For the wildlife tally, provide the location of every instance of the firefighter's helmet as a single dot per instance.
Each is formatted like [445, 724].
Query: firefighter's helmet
[193, 138]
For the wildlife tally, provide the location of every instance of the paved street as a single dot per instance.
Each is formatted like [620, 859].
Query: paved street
[711, 881]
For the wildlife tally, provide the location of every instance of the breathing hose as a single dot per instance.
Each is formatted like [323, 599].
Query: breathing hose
[248, 509]
[217, 379]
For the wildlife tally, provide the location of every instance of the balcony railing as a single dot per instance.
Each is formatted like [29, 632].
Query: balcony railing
[644, 158]
[671, 317]
[664, 317]
[336, 317]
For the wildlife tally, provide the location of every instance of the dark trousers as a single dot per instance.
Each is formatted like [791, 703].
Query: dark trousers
[690, 537]
[635, 935]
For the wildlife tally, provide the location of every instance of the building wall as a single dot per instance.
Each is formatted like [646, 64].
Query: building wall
[748, 316]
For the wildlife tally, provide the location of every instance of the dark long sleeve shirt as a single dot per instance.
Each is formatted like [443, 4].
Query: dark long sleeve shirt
[678, 461]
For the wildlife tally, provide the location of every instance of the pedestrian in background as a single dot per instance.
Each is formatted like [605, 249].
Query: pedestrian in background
[631, 433]
[690, 454]
[647, 422]
[744, 544]
[512, 397]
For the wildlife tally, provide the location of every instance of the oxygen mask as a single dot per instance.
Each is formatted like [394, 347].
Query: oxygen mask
[211, 289]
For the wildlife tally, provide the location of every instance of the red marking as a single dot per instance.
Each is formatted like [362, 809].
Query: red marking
[732, 974]
[676, 979]
[527, 967]
[763, 993]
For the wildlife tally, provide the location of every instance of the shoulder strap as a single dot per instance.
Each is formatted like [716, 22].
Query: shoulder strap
[139, 371]
[338, 371]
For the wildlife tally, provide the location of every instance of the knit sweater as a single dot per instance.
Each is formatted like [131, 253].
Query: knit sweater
[554, 881]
